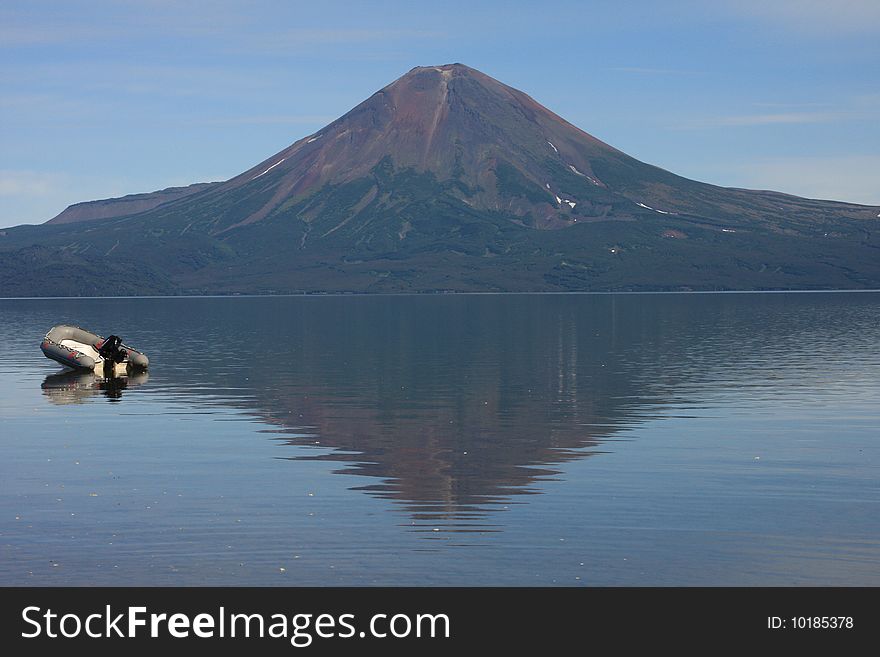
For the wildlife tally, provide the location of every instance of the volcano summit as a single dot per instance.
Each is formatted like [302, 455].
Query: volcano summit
[445, 180]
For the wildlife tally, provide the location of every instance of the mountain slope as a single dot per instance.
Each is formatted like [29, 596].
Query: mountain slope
[124, 205]
[447, 179]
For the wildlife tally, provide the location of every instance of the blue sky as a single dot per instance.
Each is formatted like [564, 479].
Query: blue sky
[102, 99]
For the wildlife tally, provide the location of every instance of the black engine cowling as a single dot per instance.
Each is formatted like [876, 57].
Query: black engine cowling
[111, 349]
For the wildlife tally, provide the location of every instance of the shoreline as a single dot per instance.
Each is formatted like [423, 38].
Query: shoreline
[448, 294]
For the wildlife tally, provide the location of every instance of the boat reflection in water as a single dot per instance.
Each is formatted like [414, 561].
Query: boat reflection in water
[78, 387]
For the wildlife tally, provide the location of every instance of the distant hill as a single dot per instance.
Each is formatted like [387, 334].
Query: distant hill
[125, 205]
[445, 180]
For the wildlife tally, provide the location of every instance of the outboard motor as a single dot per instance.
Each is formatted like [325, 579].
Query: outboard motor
[111, 349]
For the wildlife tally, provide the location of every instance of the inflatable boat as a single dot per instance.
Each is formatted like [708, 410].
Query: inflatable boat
[83, 350]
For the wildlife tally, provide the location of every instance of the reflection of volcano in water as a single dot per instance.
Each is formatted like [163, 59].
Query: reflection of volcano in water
[71, 387]
[451, 460]
[453, 406]
[449, 436]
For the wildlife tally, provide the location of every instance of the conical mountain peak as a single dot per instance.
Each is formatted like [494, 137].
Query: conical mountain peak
[447, 178]
[504, 150]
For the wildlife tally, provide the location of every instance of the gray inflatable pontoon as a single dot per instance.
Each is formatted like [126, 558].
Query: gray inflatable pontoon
[83, 350]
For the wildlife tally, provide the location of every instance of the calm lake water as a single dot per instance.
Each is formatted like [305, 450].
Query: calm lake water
[702, 439]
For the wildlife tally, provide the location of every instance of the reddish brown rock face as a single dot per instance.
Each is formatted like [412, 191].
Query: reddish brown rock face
[453, 122]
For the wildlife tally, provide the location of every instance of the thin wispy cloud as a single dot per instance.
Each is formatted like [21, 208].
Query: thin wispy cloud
[771, 119]
[853, 178]
[859, 107]
[793, 105]
[77, 23]
[25, 102]
[218, 30]
[298, 40]
[321, 35]
[820, 17]
[291, 119]
[775, 119]
[654, 71]
[28, 183]
[41, 35]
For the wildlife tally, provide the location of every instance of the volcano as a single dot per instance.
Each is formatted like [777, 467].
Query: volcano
[445, 180]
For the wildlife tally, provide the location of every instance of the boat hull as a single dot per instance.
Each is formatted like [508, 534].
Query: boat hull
[78, 349]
